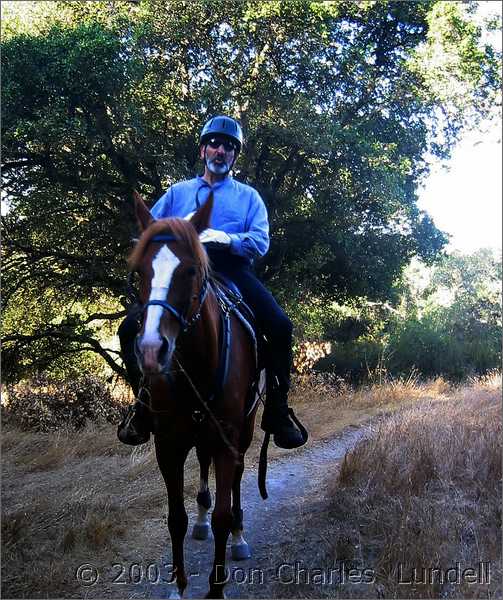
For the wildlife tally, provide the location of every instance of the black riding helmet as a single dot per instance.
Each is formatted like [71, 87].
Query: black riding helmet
[222, 125]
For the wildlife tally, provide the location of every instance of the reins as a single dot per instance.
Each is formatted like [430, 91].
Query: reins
[185, 324]
[234, 451]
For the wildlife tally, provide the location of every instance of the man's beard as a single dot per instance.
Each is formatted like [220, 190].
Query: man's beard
[218, 168]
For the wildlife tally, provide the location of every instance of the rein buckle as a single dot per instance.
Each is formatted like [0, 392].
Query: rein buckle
[197, 416]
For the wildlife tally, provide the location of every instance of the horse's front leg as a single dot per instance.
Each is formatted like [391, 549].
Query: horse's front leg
[239, 548]
[221, 520]
[201, 527]
[171, 461]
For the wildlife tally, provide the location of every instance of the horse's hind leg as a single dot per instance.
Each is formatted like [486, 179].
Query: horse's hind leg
[171, 461]
[201, 527]
[239, 548]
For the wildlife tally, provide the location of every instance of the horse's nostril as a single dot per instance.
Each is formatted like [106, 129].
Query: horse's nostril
[152, 355]
[163, 350]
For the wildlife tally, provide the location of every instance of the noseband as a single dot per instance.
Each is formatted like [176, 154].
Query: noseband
[182, 319]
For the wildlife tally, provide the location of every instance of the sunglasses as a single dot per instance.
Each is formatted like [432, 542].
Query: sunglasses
[217, 142]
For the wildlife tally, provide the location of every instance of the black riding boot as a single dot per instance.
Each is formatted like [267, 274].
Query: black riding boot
[277, 417]
[135, 427]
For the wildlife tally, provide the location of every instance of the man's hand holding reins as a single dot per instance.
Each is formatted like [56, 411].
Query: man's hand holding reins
[215, 236]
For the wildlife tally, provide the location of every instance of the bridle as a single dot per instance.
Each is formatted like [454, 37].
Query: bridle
[182, 319]
[185, 324]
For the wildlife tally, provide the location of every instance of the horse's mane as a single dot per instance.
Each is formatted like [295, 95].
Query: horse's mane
[183, 230]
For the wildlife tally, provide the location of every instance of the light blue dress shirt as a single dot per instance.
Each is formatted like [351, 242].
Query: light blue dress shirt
[238, 210]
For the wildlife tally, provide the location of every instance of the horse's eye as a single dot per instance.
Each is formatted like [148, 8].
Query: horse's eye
[190, 272]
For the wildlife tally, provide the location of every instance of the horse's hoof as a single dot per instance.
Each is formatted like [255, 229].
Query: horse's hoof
[216, 595]
[201, 531]
[240, 551]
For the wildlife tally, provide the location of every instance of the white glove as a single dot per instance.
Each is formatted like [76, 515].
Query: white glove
[214, 236]
[189, 216]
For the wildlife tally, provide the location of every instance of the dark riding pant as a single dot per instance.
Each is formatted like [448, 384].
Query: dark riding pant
[128, 331]
[272, 321]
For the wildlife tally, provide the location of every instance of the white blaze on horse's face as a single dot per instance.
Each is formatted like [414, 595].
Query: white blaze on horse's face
[163, 266]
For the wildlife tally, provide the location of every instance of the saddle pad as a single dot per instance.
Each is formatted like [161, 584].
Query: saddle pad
[233, 300]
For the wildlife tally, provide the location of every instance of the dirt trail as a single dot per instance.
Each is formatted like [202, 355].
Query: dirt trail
[292, 482]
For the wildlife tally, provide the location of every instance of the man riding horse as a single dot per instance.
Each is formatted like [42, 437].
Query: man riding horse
[239, 235]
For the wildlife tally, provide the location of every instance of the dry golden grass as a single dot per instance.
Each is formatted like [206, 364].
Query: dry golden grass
[321, 387]
[70, 498]
[65, 501]
[327, 404]
[423, 490]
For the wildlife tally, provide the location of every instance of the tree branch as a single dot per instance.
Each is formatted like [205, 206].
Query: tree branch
[106, 316]
[95, 346]
[287, 165]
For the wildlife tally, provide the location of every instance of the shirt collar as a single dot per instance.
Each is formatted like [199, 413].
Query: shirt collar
[203, 183]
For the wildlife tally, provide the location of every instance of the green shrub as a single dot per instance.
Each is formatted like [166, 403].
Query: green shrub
[432, 346]
[353, 360]
[438, 344]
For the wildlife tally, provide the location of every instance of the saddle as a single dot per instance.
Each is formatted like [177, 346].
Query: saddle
[231, 302]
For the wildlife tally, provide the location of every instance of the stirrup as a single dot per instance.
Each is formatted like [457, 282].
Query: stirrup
[285, 434]
[130, 430]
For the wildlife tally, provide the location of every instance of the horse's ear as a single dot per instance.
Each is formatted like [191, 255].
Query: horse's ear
[201, 218]
[142, 212]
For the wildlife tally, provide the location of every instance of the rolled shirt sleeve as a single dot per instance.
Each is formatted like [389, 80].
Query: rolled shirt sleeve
[254, 242]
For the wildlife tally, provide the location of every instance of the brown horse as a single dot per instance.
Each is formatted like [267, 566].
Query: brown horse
[178, 350]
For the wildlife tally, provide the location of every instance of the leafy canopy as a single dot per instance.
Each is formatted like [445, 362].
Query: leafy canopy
[339, 100]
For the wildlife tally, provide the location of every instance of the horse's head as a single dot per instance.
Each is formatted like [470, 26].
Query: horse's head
[173, 268]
